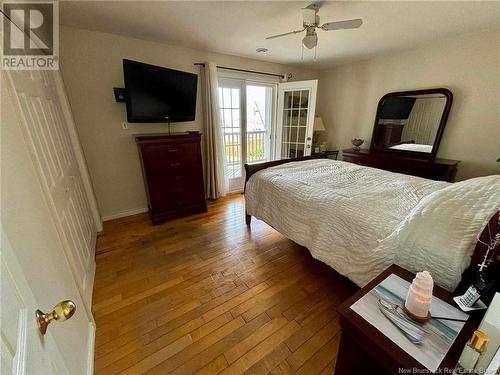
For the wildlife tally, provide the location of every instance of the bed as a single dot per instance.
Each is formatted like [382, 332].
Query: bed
[359, 220]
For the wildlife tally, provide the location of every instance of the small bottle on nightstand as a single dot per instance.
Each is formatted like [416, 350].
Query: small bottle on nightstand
[472, 351]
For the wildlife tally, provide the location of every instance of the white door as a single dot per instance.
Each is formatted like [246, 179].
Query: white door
[40, 106]
[247, 113]
[23, 350]
[36, 271]
[296, 108]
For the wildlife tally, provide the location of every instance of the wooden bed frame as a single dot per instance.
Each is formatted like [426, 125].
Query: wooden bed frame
[251, 169]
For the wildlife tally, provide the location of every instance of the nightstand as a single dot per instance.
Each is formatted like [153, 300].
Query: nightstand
[366, 350]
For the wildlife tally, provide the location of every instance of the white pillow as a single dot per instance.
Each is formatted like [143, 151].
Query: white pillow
[439, 234]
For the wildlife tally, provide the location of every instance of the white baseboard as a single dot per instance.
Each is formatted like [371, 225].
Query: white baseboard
[91, 348]
[133, 211]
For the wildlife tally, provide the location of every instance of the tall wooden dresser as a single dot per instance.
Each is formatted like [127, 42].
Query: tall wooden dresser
[173, 174]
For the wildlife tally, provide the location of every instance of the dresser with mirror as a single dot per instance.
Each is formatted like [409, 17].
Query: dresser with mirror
[408, 129]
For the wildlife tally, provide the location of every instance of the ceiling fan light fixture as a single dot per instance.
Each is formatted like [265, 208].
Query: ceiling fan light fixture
[311, 39]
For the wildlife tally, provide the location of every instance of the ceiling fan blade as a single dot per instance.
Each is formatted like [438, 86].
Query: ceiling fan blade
[339, 25]
[284, 34]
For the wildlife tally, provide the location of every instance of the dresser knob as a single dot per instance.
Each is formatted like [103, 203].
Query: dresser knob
[175, 164]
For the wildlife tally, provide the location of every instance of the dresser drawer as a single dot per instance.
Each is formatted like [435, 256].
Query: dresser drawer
[175, 168]
[161, 157]
[176, 197]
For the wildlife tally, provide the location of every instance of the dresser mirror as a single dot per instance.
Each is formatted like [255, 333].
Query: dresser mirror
[411, 122]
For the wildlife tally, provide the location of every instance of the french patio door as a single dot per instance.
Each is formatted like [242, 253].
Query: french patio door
[247, 111]
[296, 109]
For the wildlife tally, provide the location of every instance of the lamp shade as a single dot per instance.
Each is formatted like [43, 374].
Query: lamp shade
[318, 124]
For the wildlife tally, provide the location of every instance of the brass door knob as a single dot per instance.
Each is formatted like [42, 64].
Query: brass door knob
[61, 312]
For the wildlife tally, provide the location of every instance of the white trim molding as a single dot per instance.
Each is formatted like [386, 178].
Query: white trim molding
[118, 215]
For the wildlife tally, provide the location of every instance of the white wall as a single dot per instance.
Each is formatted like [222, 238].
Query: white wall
[469, 65]
[91, 65]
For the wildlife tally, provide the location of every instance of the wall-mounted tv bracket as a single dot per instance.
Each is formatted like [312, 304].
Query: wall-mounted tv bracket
[120, 95]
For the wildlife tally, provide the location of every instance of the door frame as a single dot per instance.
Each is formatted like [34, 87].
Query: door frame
[312, 87]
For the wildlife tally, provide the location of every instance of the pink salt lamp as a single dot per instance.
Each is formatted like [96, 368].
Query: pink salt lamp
[418, 300]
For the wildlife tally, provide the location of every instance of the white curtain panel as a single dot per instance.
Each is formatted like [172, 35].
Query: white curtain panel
[216, 184]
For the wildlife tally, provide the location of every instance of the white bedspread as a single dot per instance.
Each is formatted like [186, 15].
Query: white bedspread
[339, 211]
[359, 220]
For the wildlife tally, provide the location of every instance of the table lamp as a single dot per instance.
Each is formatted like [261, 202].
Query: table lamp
[318, 127]
[418, 300]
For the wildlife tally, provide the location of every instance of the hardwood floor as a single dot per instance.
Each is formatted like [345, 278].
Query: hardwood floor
[206, 295]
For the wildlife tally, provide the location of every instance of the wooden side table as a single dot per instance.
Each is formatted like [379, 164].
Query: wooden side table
[366, 350]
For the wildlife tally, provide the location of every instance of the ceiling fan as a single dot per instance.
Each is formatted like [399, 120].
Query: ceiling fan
[311, 22]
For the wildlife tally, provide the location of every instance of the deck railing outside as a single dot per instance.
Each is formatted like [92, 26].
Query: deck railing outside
[232, 150]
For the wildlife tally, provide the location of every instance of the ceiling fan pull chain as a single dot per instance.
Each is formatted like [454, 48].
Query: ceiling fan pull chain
[315, 50]
[302, 58]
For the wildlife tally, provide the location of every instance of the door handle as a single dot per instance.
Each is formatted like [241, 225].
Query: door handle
[61, 312]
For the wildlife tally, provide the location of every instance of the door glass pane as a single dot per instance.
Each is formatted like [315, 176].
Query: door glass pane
[302, 134]
[288, 99]
[230, 113]
[294, 120]
[296, 99]
[293, 134]
[300, 150]
[304, 99]
[303, 118]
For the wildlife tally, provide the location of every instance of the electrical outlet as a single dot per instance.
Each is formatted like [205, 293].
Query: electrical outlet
[124, 125]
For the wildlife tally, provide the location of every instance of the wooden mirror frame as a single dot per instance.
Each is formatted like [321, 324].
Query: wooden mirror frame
[446, 111]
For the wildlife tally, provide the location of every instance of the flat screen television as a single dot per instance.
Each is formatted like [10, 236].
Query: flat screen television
[156, 94]
[397, 108]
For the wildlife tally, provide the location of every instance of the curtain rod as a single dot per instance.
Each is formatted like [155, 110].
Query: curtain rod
[246, 71]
